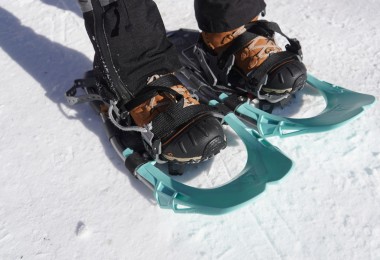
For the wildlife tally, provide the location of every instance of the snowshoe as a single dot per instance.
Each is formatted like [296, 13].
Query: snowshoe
[177, 196]
[161, 122]
[218, 80]
[174, 126]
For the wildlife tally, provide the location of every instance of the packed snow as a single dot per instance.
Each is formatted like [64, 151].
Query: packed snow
[65, 194]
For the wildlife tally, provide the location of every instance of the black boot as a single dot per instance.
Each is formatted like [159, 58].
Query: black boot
[254, 62]
[138, 86]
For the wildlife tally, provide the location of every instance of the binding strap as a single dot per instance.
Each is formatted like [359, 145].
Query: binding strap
[257, 75]
[237, 44]
[255, 29]
[269, 29]
[175, 116]
[159, 86]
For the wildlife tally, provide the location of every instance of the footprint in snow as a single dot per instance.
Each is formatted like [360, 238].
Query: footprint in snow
[81, 230]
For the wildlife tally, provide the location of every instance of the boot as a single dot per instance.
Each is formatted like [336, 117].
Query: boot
[174, 126]
[196, 139]
[252, 45]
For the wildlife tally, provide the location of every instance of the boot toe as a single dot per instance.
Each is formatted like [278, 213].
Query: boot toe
[288, 78]
[196, 142]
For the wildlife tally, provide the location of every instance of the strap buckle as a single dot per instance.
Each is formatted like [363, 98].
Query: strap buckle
[156, 145]
[294, 46]
[71, 97]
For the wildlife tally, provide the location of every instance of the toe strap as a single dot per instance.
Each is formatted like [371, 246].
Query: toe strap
[175, 116]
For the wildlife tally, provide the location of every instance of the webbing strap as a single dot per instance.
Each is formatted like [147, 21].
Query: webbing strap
[168, 81]
[148, 94]
[271, 62]
[255, 29]
[175, 116]
[158, 86]
[271, 28]
[237, 44]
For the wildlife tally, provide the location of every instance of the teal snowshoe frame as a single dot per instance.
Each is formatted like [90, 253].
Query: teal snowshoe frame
[265, 163]
[252, 180]
[342, 106]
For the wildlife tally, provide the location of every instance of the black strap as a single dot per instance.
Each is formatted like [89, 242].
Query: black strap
[266, 29]
[168, 81]
[237, 44]
[257, 75]
[234, 100]
[270, 28]
[158, 86]
[255, 29]
[175, 116]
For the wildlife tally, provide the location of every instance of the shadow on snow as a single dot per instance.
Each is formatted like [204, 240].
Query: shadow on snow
[52, 65]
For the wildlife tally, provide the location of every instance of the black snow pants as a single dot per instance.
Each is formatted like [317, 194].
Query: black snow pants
[138, 34]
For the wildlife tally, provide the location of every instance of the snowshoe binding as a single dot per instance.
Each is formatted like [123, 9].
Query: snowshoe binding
[245, 70]
[173, 125]
[169, 193]
[162, 122]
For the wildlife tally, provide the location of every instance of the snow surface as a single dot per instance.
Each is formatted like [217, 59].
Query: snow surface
[65, 194]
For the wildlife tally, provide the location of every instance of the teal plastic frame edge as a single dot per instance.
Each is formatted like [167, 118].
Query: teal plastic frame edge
[251, 181]
[342, 106]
